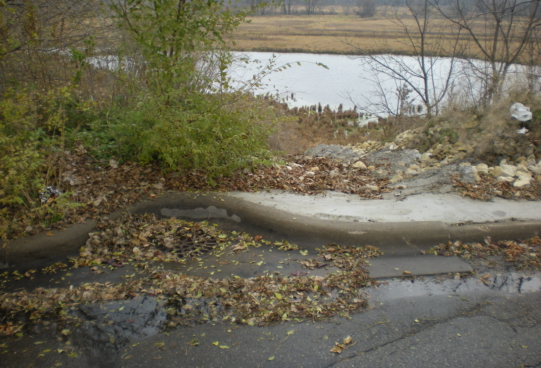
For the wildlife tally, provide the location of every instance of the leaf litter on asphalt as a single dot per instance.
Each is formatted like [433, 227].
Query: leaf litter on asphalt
[521, 254]
[144, 241]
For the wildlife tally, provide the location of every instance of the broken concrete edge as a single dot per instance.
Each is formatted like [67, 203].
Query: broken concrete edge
[23, 252]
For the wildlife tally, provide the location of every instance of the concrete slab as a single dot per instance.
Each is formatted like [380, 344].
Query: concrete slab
[387, 267]
[307, 222]
[448, 208]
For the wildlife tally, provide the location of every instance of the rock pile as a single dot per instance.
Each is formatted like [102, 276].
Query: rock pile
[519, 176]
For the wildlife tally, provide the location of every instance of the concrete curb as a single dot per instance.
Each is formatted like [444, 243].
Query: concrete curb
[398, 238]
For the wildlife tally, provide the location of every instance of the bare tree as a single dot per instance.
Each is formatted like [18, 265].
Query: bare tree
[366, 8]
[499, 32]
[287, 6]
[312, 6]
[424, 75]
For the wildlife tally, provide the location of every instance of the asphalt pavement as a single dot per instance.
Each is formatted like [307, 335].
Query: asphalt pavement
[438, 318]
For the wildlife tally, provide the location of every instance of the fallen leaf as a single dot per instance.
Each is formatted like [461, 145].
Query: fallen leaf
[271, 358]
[337, 349]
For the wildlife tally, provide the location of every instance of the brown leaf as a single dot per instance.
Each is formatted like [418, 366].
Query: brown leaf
[338, 348]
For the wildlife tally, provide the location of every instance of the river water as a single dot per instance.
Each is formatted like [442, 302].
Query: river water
[309, 79]
[352, 80]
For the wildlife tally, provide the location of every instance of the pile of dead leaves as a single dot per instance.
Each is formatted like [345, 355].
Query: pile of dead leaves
[489, 187]
[300, 174]
[524, 254]
[143, 238]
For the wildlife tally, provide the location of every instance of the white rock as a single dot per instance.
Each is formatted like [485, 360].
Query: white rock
[508, 179]
[536, 169]
[520, 112]
[496, 171]
[396, 178]
[522, 167]
[522, 182]
[523, 175]
[359, 165]
[522, 131]
[508, 170]
[482, 168]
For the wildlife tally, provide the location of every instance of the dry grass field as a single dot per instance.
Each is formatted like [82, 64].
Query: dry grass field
[319, 34]
[344, 34]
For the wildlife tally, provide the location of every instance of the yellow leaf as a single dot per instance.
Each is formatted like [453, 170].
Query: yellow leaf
[337, 349]
[290, 332]
[348, 340]
[271, 358]
[224, 347]
[278, 296]
[216, 343]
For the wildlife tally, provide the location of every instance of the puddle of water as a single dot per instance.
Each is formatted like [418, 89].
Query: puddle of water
[124, 320]
[503, 283]
[108, 328]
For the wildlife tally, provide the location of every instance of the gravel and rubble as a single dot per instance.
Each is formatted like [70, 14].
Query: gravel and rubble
[441, 169]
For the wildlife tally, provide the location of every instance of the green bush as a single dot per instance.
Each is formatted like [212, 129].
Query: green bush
[181, 109]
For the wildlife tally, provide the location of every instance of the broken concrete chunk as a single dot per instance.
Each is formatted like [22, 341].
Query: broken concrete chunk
[508, 170]
[359, 165]
[396, 178]
[524, 179]
[482, 168]
[508, 179]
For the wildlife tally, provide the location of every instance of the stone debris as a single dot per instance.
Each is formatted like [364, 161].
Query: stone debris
[443, 165]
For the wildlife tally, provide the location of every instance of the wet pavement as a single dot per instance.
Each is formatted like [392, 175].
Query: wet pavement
[424, 322]
[486, 318]
[473, 314]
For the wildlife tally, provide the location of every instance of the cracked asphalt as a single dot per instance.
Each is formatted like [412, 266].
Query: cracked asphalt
[427, 322]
